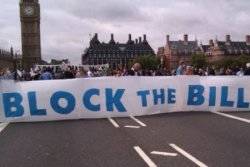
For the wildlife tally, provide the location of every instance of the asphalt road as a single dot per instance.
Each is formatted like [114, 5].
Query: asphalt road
[188, 139]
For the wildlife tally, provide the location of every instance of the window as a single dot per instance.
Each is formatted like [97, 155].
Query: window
[186, 51]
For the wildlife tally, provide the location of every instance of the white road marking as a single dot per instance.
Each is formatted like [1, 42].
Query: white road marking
[187, 155]
[164, 153]
[138, 121]
[3, 126]
[115, 124]
[144, 156]
[133, 127]
[232, 117]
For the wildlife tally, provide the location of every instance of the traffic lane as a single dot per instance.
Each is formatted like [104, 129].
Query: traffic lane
[213, 139]
[147, 139]
[67, 143]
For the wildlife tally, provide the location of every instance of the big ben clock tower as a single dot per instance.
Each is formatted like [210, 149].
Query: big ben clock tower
[30, 29]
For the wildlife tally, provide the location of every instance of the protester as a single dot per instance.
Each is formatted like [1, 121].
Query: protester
[180, 70]
[46, 75]
[211, 71]
[189, 70]
[240, 72]
[247, 71]
[90, 73]
[201, 72]
[81, 73]
[68, 73]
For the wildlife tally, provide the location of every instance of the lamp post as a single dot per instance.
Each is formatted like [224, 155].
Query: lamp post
[15, 64]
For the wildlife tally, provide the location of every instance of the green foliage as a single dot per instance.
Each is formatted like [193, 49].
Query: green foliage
[149, 62]
[232, 62]
[199, 61]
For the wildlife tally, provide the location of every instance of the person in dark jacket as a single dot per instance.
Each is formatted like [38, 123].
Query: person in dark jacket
[68, 74]
[247, 71]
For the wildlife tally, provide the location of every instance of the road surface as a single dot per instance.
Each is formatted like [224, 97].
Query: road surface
[174, 140]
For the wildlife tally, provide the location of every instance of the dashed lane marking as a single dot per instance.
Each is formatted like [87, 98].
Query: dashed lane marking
[232, 117]
[187, 155]
[164, 154]
[132, 127]
[113, 122]
[138, 121]
[144, 156]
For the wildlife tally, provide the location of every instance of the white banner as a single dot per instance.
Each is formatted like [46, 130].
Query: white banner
[120, 97]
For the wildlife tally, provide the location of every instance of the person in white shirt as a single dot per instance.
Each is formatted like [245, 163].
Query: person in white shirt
[90, 74]
[240, 72]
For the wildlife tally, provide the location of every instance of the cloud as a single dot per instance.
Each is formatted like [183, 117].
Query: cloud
[66, 25]
[104, 11]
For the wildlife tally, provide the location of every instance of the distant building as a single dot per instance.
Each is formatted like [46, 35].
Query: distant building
[58, 62]
[8, 59]
[30, 33]
[217, 50]
[175, 51]
[115, 54]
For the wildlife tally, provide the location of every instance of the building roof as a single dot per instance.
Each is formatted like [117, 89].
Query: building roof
[182, 46]
[119, 47]
[233, 47]
[97, 47]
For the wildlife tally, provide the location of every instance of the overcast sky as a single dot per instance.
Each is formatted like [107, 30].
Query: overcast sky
[66, 24]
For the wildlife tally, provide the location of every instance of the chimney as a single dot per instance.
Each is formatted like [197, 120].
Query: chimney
[139, 39]
[228, 38]
[112, 41]
[136, 41]
[167, 38]
[211, 42]
[96, 36]
[185, 38]
[144, 38]
[248, 39]
[129, 37]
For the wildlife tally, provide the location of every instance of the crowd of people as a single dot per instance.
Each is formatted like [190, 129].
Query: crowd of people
[211, 71]
[70, 72]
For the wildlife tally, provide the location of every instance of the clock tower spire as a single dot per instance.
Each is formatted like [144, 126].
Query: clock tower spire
[30, 30]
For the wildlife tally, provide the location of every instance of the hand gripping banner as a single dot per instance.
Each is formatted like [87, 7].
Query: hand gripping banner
[120, 97]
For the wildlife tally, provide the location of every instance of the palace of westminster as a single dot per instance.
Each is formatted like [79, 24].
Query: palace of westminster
[115, 53]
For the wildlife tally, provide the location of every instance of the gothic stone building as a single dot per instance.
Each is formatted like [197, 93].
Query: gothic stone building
[115, 54]
[30, 30]
[9, 59]
[175, 51]
[217, 50]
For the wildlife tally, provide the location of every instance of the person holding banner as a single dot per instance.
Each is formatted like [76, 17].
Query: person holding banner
[46, 75]
[247, 72]
[180, 70]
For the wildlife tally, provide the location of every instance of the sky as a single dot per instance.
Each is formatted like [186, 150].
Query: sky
[67, 25]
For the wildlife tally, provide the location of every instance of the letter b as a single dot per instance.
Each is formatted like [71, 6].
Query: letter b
[10, 101]
[195, 95]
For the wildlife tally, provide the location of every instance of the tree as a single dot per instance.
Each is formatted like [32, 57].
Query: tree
[199, 61]
[232, 62]
[149, 62]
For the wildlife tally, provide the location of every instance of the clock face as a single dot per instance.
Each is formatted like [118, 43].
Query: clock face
[29, 10]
